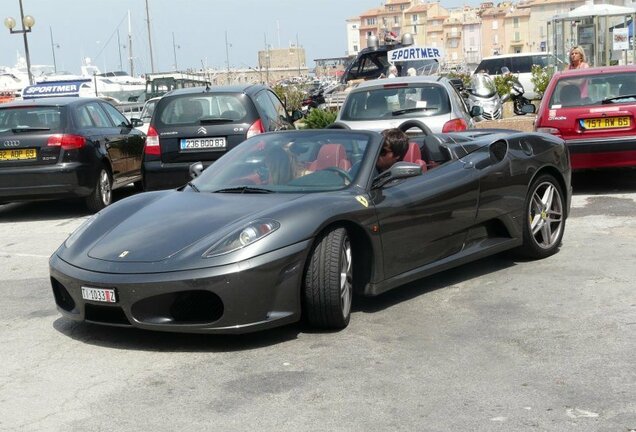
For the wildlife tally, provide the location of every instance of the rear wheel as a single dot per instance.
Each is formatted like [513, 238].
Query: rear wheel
[102, 194]
[328, 289]
[544, 222]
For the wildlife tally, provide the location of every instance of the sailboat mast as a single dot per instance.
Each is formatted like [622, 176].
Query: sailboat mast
[152, 61]
[130, 51]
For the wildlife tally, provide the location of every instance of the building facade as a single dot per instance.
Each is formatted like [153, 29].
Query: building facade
[466, 34]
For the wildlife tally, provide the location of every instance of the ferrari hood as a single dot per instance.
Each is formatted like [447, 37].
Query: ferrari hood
[166, 226]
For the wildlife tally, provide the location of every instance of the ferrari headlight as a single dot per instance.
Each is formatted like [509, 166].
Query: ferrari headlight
[78, 232]
[253, 232]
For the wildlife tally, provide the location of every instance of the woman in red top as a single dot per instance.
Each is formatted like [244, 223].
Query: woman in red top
[577, 59]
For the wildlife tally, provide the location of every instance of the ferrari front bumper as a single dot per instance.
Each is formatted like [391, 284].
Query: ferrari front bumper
[250, 295]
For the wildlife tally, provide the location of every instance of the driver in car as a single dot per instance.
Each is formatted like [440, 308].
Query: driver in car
[396, 144]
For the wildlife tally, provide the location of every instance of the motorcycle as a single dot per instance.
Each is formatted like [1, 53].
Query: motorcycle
[313, 100]
[516, 94]
[482, 92]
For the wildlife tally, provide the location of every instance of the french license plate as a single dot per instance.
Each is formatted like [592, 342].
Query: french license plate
[18, 154]
[203, 143]
[104, 295]
[606, 123]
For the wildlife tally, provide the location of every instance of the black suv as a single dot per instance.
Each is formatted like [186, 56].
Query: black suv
[64, 147]
[201, 124]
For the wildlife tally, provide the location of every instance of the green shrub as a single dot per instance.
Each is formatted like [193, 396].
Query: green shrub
[292, 96]
[541, 76]
[319, 118]
[465, 77]
[503, 83]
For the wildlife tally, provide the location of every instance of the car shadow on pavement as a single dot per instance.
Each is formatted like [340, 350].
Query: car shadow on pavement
[434, 282]
[606, 181]
[52, 210]
[145, 340]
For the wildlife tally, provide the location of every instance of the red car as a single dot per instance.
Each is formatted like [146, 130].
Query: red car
[594, 111]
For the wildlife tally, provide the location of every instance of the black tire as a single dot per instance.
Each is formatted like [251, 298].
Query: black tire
[328, 289]
[102, 194]
[544, 218]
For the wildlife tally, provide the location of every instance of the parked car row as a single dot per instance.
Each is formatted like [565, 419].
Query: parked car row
[53, 148]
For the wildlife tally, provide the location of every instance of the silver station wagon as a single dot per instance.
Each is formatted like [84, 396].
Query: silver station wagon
[388, 102]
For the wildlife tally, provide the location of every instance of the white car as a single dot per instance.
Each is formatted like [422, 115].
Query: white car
[520, 65]
[146, 113]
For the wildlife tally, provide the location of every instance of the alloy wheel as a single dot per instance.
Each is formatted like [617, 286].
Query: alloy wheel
[546, 215]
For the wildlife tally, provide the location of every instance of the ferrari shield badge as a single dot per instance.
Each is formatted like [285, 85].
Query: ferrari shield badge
[362, 200]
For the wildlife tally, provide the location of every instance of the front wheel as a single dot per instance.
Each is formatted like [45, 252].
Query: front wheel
[102, 194]
[328, 288]
[544, 222]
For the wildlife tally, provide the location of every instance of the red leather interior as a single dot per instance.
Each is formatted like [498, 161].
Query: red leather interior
[414, 155]
[331, 155]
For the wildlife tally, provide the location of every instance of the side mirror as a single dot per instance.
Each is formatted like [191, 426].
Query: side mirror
[476, 111]
[528, 108]
[399, 170]
[135, 122]
[296, 115]
[196, 169]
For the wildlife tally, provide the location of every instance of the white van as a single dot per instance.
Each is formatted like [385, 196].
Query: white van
[521, 65]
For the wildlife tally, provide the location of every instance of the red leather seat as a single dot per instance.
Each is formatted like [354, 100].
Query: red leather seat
[414, 155]
[331, 155]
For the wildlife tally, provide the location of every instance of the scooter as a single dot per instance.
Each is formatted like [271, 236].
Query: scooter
[313, 100]
[516, 94]
[482, 92]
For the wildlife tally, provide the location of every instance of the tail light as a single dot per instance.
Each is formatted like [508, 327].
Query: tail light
[152, 143]
[455, 125]
[67, 142]
[255, 129]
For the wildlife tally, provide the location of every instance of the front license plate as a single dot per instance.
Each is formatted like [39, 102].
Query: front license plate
[203, 143]
[18, 154]
[606, 123]
[104, 295]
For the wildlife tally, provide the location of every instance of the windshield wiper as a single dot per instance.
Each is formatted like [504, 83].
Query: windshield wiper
[244, 189]
[29, 129]
[612, 99]
[196, 189]
[409, 110]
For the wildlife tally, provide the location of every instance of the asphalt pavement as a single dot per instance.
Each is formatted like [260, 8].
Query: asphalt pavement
[496, 345]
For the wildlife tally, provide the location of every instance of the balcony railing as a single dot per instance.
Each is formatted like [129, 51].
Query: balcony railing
[454, 35]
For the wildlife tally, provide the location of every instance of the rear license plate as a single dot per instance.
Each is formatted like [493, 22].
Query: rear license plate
[104, 295]
[18, 154]
[203, 143]
[606, 123]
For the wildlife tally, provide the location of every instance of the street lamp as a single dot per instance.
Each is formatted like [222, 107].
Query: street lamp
[27, 22]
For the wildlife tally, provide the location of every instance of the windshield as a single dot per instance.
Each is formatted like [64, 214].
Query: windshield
[403, 102]
[288, 162]
[41, 118]
[594, 89]
[482, 84]
[191, 109]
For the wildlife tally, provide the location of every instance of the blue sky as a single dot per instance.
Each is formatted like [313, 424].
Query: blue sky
[88, 28]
